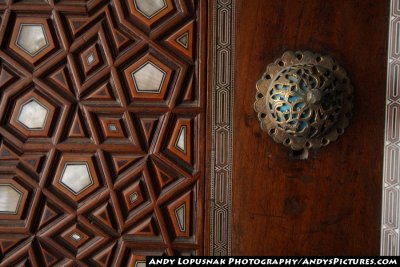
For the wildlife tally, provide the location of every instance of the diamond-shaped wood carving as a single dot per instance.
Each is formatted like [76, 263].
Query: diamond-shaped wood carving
[75, 236]
[133, 193]
[101, 120]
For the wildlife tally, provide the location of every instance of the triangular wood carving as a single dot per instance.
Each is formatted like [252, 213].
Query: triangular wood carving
[9, 242]
[180, 214]
[50, 257]
[181, 140]
[5, 77]
[104, 214]
[120, 39]
[78, 127]
[34, 161]
[146, 228]
[149, 125]
[163, 178]
[103, 257]
[76, 24]
[6, 153]
[60, 78]
[182, 40]
[102, 93]
[122, 162]
[49, 214]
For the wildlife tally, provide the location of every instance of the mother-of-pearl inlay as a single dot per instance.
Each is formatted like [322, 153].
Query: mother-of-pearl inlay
[90, 59]
[150, 8]
[180, 217]
[10, 198]
[76, 177]
[149, 78]
[32, 38]
[181, 140]
[76, 236]
[33, 115]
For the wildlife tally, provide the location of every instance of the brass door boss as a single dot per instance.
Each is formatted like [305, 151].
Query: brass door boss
[304, 100]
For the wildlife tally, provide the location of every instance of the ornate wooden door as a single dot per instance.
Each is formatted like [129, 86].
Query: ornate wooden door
[101, 131]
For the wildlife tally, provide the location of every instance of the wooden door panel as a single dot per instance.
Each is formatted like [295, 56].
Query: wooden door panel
[329, 204]
[101, 131]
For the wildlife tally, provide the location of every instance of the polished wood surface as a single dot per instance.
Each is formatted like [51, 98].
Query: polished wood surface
[329, 204]
[113, 168]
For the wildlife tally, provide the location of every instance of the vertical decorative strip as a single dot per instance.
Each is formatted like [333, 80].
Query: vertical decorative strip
[222, 126]
[391, 162]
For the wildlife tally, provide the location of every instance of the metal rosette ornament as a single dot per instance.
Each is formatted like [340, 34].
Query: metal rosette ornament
[304, 100]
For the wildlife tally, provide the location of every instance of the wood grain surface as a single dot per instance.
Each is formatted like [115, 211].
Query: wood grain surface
[329, 204]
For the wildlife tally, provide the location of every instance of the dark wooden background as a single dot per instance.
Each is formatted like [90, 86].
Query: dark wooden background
[329, 204]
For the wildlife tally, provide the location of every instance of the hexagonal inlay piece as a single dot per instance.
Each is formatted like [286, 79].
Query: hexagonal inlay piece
[76, 177]
[32, 38]
[33, 115]
[10, 198]
[149, 8]
[149, 78]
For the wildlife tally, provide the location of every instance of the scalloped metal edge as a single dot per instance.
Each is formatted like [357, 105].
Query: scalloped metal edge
[290, 58]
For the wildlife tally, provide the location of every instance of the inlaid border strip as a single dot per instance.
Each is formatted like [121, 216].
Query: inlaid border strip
[222, 126]
[391, 161]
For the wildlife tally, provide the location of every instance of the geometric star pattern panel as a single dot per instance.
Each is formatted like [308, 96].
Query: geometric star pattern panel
[102, 131]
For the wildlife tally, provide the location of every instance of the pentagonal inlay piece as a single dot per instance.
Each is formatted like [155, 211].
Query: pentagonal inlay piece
[32, 38]
[149, 78]
[150, 11]
[33, 115]
[10, 199]
[76, 177]
[150, 8]
[13, 199]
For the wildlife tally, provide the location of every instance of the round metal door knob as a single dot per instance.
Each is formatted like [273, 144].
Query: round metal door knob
[304, 100]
